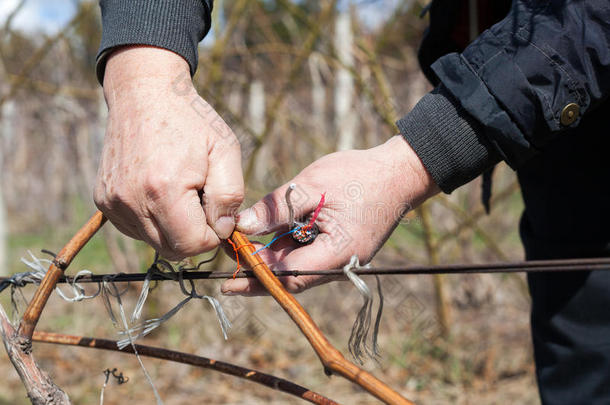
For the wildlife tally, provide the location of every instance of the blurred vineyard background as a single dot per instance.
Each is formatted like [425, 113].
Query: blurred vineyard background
[295, 80]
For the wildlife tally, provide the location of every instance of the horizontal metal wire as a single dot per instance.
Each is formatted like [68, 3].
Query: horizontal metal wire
[587, 264]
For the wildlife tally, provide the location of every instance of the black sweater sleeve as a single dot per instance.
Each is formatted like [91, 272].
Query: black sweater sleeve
[176, 25]
[450, 142]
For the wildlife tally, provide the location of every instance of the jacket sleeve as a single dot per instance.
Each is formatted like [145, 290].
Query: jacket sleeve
[176, 25]
[524, 81]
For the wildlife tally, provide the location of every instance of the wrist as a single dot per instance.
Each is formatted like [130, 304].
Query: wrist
[413, 181]
[143, 69]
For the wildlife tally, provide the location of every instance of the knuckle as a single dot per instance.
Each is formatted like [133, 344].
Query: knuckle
[99, 198]
[155, 186]
[198, 242]
[236, 144]
[170, 254]
[296, 285]
[227, 147]
[118, 197]
[276, 207]
[229, 198]
[196, 247]
[207, 240]
[229, 139]
[171, 250]
[219, 128]
[109, 199]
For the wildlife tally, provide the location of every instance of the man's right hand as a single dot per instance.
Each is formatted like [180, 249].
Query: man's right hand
[166, 152]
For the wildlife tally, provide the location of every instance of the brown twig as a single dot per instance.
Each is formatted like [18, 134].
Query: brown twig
[331, 358]
[477, 214]
[443, 308]
[36, 57]
[57, 268]
[267, 380]
[9, 18]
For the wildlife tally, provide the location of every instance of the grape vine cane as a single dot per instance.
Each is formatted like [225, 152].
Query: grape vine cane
[42, 390]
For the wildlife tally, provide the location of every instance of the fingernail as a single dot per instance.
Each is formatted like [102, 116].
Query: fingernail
[224, 226]
[247, 221]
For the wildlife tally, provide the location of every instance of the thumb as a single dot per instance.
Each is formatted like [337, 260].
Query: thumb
[223, 192]
[322, 254]
[273, 212]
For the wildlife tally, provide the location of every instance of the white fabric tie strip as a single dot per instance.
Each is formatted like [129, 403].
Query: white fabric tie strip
[358, 341]
[149, 325]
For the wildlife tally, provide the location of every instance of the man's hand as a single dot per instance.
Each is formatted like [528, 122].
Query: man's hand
[166, 152]
[367, 193]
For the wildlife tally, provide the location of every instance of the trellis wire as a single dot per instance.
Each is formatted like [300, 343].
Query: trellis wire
[39, 268]
[490, 268]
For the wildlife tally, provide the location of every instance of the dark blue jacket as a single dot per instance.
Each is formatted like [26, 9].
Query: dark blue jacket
[515, 86]
[518, 76]
[508, 90]
[517, 79]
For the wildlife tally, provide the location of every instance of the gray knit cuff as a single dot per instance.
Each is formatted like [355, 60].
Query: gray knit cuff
[176, 25]
[450, 143]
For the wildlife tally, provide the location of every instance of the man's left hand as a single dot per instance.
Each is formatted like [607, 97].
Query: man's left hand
[367, 193]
